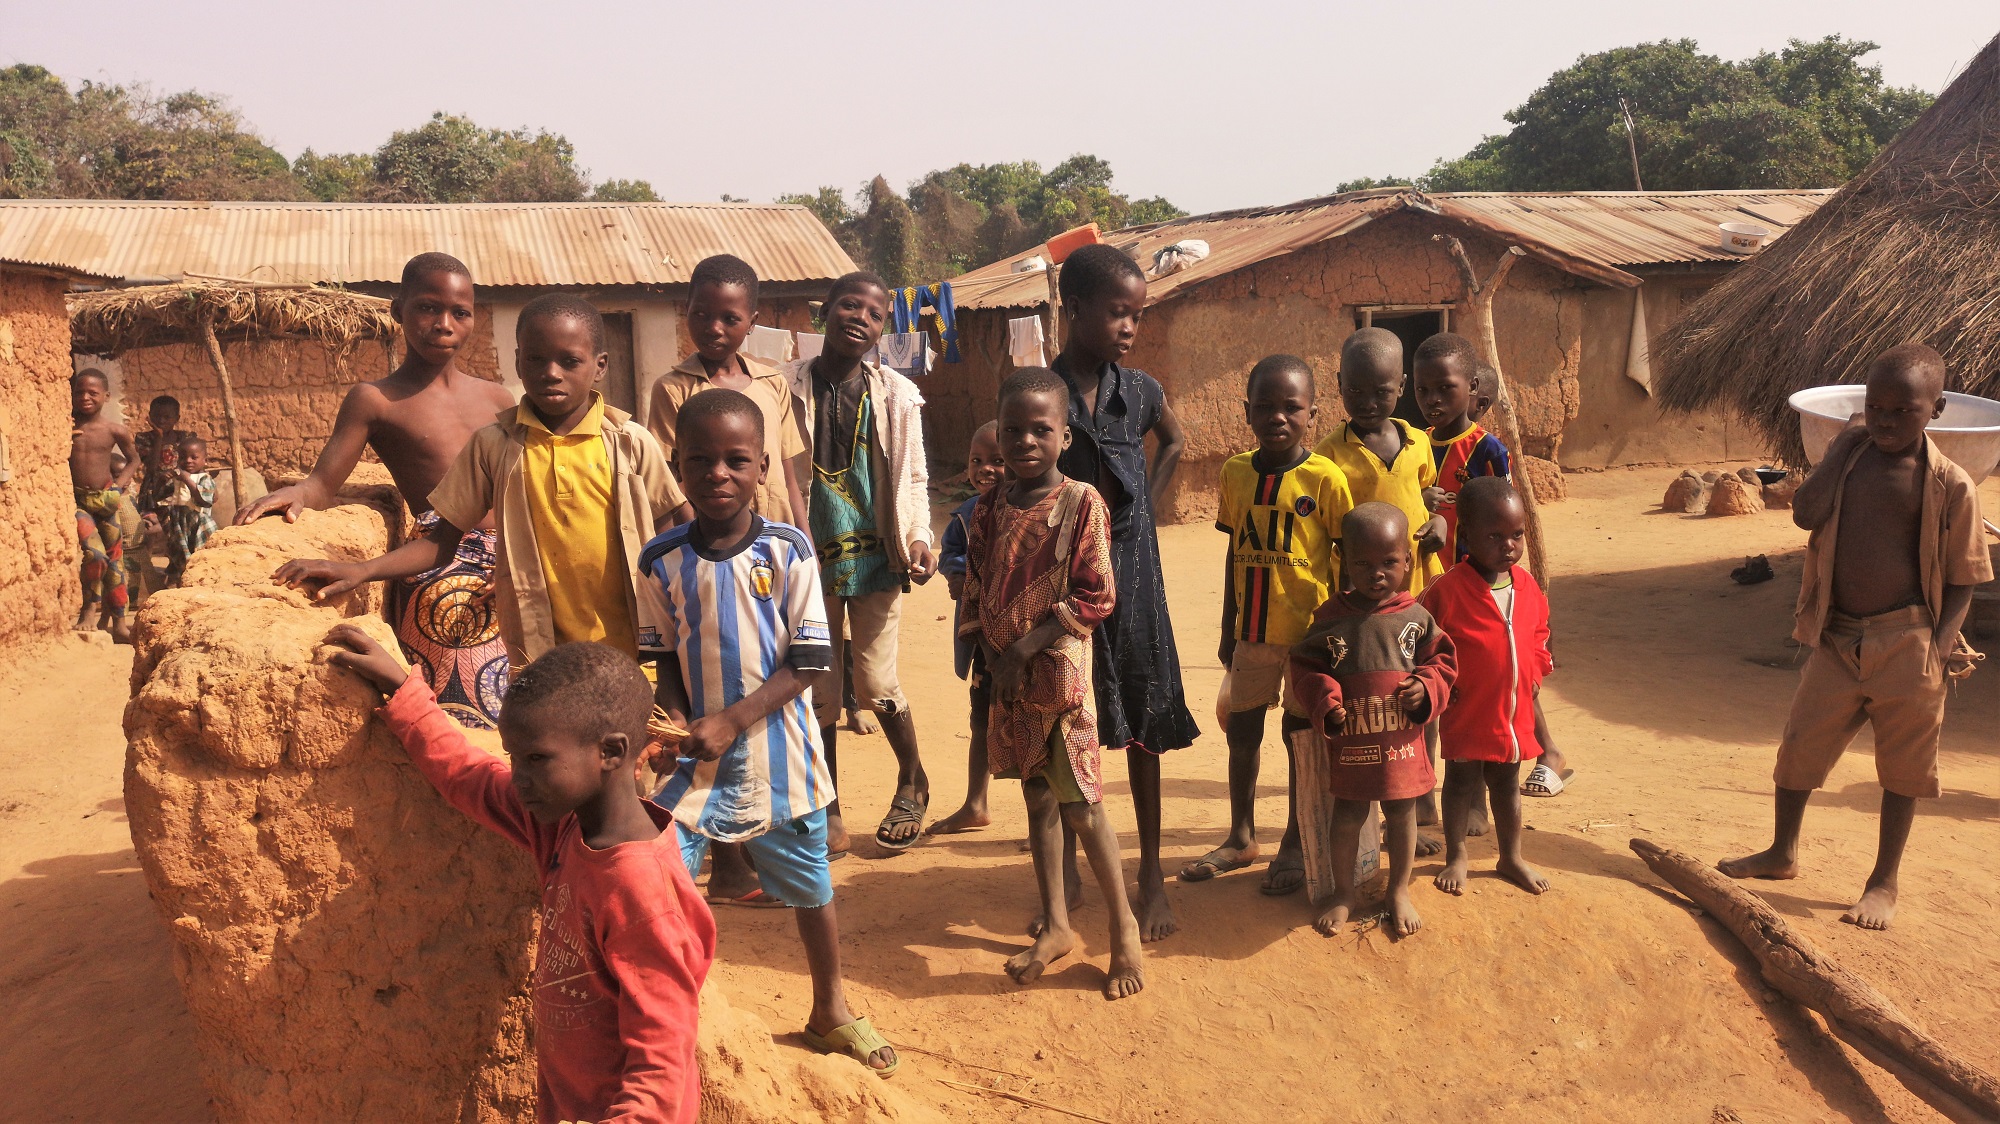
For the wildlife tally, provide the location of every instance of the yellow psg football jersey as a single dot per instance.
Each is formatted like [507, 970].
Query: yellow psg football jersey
[1282, 528]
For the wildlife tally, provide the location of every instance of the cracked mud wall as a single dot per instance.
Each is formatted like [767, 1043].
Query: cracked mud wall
[39, 588]
[350, 947]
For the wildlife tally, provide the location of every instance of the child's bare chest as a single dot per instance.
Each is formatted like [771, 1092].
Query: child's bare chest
[1882, 502]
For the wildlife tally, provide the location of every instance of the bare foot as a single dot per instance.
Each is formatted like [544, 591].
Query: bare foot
[121, 631]
[1334, 915]
[1156, 917]
[1452, 878]
[1763, 864]
[1403, 918]
[1072, 901]
[1875, 910]
[859, 722]
[1026, 966]
[1126, 978]
[1522, 875]
[83, 618]
[1479, 822]
[967, 818]
[836, 834]
[1428, 845]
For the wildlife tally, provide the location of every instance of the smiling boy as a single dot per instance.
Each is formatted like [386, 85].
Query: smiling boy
[574, 487]
[625, 940]
[1896, 550]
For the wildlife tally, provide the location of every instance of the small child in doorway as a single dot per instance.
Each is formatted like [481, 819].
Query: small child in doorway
[186, 510]
[1498, 622]
[984, 470]
[1373, 670]
[625, 940]
[1896, 550]
[1038, 582]
[730, 611]
[1446, 371]
[1281, 508]
[100, 493]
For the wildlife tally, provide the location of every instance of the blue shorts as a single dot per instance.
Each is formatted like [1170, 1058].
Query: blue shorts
[790, 859]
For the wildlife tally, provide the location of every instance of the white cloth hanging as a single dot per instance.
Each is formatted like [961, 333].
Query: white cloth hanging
[904, 352]
[1024, 342]
[772, 345]
[810, 345]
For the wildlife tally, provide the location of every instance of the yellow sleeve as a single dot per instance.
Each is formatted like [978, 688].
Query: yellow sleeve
[663, 416]
[1427, 471]
[1228, 510]
[1335, 501]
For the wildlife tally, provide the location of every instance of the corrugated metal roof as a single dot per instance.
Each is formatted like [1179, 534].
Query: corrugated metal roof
[1591, 234]
[352, 243]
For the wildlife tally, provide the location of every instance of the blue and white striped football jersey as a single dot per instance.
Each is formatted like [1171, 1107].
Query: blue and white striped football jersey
[734, 620]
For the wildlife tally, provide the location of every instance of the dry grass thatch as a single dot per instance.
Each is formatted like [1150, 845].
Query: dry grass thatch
[1909, 250]
[119, 320]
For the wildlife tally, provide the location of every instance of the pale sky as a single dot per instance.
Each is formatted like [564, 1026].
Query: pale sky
[1214, 105]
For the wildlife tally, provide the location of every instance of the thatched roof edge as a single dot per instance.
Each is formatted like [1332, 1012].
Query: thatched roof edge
[115, 321]
[1908, 250]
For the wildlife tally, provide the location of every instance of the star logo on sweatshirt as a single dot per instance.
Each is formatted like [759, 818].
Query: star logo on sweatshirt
[1336, 650]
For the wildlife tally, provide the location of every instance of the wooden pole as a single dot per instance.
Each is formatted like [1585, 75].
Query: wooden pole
[228, 408]
[1479, 303]
[1862, 1016]
[1054, 273]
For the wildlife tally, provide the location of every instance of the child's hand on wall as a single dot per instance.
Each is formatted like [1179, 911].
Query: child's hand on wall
[362, 655]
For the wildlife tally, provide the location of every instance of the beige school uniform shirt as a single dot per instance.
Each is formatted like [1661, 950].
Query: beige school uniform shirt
[489, 477]
[1950, 551]
[771, 390]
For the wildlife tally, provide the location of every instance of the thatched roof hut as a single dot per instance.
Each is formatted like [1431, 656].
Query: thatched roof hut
[117, 320]
[1909, 250]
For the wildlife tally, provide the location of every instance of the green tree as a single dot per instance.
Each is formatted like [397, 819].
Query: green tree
[1807, 116]
[116, 142]
[624, 191]
[452, 159]
[1367, 183]
[337, 177]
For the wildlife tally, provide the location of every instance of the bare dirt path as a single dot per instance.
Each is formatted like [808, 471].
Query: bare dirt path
[1603, 999]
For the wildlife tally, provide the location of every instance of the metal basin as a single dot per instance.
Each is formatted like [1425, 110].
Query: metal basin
[1968, 432]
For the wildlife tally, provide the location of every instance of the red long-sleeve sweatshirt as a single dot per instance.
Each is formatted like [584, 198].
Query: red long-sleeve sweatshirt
[626, 941]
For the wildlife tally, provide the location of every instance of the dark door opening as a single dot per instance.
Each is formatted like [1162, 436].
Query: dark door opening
[621, 388]
[1412, 328]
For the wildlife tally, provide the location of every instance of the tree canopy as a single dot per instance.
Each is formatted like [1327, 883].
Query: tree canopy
[116, 142]
[956, 218]
[1810, 115]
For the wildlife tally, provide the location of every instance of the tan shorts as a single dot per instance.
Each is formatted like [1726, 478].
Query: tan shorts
[1878, 670]
[863, 628]
[1257, 678]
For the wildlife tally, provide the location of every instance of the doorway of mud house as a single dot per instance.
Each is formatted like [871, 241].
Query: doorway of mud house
[1413, 325]
[621, 388]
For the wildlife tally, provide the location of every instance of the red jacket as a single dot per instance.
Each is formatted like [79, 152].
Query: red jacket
[1492, 711]
[625, 941]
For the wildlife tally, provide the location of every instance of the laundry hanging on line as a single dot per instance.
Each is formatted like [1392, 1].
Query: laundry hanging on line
[772, 345]
[1024, 342]
[909, 306]
[908, 353]
[810, 345]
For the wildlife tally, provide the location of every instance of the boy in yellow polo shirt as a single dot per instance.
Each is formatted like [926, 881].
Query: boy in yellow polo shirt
[1385, 458]
[575, 486]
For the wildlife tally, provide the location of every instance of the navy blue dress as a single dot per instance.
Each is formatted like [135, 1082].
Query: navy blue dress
[1140, 701]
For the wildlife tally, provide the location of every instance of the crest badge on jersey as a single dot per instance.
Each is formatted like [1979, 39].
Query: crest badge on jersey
[1305, 506]
[1336, 650]
[761, 575]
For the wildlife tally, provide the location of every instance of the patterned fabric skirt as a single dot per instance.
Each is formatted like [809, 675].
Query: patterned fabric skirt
[451, 635]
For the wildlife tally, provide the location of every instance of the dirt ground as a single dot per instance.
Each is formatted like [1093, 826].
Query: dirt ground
[1606, 998]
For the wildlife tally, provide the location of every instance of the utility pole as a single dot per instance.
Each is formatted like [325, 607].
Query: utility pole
[1631, 145]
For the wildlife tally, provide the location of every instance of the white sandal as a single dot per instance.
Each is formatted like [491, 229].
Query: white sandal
[1543, 781]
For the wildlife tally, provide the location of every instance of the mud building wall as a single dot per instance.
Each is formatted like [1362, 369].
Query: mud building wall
[39, 591]
[1619, 423]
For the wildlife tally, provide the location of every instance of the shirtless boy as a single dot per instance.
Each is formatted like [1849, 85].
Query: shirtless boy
[417, 420]
[1881, 607]
[99, 494]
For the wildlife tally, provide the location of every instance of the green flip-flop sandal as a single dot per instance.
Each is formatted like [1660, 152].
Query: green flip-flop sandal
[858, 1040]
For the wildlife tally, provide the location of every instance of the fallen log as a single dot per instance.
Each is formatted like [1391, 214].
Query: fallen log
[1862, 1016]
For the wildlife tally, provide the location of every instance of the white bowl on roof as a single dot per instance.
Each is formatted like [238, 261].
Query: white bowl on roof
[1968, 431]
